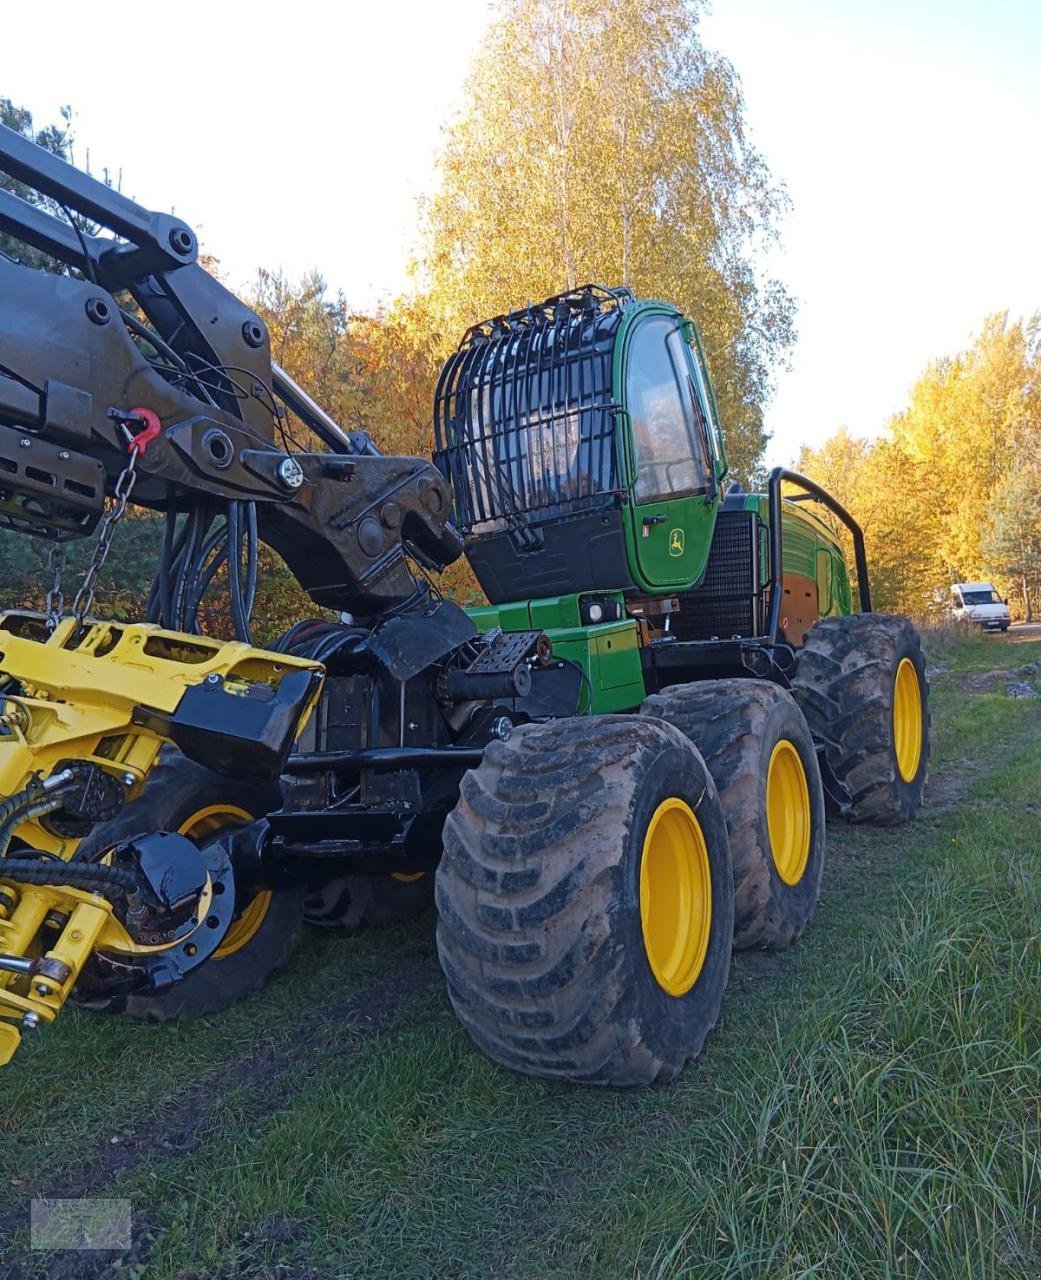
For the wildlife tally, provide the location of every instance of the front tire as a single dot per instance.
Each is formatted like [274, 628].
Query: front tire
[860, 681]
[180, 795]
[585, 901]
[758, 748]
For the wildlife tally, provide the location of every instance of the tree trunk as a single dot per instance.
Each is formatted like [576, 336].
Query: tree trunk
[1028, 613]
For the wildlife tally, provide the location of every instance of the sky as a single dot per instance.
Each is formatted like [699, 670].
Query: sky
[302, 136]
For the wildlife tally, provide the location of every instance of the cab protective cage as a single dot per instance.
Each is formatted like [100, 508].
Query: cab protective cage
[524, 414]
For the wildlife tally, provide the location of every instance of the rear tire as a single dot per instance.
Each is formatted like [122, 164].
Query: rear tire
[755, 742]
[585, 901]
[860, 681]
[351, 904]
[261, 935]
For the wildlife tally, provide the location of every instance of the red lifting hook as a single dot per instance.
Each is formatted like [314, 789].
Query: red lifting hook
[140, 442]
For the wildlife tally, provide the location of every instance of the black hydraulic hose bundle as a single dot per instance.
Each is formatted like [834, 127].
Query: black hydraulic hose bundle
[13, 806]
[39, 809]
[214, 554]
[319, 640]
[33, 801]
[298, 634]
[167, 586]
[186, 567]
[242, 529]
[235, 596]
[161, 582]
[192, 556]
[80, 875]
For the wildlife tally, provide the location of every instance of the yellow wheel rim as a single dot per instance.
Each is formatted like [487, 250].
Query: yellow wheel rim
[675, 896]
[907, 720]
[789, 816]
[245, 924]
[207, 822]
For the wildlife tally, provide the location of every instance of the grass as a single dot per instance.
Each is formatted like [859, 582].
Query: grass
[869, 1106]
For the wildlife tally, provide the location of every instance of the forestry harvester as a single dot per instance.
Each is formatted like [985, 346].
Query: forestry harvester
[606, 778]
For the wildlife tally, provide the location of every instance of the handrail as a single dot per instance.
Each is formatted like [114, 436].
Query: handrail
[815, 493]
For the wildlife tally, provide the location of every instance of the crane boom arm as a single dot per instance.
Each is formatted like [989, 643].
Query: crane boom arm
[131, 321]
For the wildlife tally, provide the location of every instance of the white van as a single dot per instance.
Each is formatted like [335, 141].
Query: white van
[978, 602]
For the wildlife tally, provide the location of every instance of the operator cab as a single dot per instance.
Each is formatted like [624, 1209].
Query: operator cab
[581, 439]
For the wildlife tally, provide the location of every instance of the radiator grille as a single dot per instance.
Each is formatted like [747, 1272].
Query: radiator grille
[727, 602]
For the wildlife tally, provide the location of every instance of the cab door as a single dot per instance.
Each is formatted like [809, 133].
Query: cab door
[674, 490]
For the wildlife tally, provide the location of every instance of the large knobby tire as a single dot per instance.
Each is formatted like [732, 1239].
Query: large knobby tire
[860, 682]
[585, 901]
[351, 904]
[182, 796]
[758, 748]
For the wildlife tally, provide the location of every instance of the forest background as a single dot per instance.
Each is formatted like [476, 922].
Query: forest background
[658, 187]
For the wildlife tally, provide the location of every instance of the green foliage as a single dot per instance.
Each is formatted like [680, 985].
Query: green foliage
[122, 588]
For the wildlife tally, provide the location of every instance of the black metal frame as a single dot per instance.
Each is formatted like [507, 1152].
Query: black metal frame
[146, 246]
[77, 362]
[811, 492]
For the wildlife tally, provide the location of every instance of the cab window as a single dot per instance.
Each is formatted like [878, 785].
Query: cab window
[701, 379]
[669, 429]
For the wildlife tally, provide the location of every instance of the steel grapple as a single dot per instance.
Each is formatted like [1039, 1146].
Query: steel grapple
[84, 712]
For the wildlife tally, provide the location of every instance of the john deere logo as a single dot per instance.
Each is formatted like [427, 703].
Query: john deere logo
[675, 542]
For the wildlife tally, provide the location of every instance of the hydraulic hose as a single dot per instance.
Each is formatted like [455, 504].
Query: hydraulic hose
[80, 875]
[32, 801]
[158, 595]
[44, 805]
[236, 534]
[307, 627]
[184, 567]
[214, 553]
[15, 804]
[252, 558]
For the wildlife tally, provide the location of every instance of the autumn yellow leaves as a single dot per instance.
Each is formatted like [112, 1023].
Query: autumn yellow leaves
[952, 490]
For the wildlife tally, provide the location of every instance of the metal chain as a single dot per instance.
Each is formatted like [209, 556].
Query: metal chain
[124, 488]
[55, 600]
